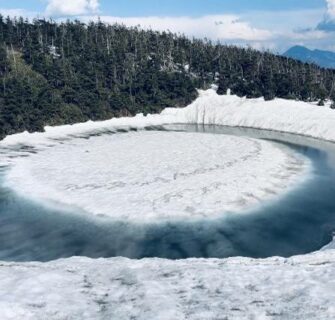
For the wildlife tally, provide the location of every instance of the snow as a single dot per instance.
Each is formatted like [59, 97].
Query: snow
[331, 245]
[302, 288]
[280, 115]
[150, 176]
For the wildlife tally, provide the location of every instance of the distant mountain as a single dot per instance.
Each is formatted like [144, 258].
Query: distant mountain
[322, 58]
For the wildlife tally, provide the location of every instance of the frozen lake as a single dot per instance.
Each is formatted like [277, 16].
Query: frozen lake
[298, 221]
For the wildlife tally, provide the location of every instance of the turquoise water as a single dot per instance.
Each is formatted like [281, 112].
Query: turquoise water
[299, 222]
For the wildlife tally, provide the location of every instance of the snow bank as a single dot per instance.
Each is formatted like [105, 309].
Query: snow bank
[209, 108]
[280, 114]
[79, 288]
[144, 176]
[70, 131]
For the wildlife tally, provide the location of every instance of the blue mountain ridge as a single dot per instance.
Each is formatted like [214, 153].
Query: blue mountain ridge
[325, 59]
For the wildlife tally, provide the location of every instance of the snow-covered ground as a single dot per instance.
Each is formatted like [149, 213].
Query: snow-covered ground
[145, 176]
[79, 288]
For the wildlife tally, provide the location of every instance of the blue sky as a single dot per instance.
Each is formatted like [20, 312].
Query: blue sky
[264, 24]
[201, 7]
[178, 7]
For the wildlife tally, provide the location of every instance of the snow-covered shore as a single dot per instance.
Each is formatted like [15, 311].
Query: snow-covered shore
[301, 288]
[238, 288]
[279, 115]
[209, 108]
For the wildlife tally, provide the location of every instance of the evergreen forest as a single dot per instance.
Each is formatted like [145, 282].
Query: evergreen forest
[62, 73]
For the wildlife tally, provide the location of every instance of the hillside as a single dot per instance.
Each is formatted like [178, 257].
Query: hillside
[70, 72]
[322, 58]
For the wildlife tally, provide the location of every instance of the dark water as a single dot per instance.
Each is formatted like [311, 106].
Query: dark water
[300, 222]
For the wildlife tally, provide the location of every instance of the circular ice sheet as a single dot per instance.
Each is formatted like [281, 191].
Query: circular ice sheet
[150, 176]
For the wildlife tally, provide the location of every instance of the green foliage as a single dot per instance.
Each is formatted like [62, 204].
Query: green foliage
[70, 72]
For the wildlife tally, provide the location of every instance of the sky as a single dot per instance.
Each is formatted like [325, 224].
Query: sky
[272, 25]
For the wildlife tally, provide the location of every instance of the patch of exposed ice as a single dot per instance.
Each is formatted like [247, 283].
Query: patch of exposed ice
[331, 245]
[198, 289]
[145, 176]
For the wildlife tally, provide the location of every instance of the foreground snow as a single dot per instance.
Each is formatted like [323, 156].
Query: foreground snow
[79, 288]
[144, 176]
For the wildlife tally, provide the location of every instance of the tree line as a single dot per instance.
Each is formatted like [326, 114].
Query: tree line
[60, 73]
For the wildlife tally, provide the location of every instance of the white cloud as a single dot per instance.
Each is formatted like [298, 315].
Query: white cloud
[331, 8]
[71, 7]
[307, 35]
[283, 21]
[217, 27]
[18, 13]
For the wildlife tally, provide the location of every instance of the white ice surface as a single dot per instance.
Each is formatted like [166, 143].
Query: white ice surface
[200, 289]
[154, 176]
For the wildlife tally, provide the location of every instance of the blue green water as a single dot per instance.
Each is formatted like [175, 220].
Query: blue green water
[299, 222]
